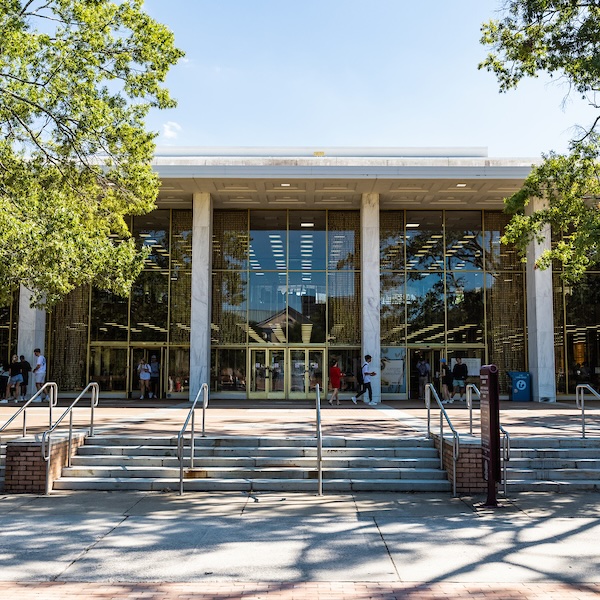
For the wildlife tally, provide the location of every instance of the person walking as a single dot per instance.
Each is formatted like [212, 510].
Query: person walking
[39, 371]
[154, 377]
[366, 382]
[25, 370]
[335, 378]
[424, 370]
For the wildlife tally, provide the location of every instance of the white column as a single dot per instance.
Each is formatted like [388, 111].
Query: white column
[201, 293]
[370, 292]
[540, 319]
[32, 327]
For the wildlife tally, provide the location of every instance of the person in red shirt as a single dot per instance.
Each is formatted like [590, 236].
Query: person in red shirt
[335, 375]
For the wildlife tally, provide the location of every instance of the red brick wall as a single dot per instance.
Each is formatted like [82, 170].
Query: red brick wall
[469, 470]
[25, 467]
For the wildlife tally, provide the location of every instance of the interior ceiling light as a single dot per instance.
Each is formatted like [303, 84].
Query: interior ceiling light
[307, 224]
[461, 185]
[285, 184]
[412, 225]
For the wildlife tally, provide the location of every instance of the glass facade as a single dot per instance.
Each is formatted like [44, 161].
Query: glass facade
[447, 289]
[286, 299]
[285, 281]
[98, 336]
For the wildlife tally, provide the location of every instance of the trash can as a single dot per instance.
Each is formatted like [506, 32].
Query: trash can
[520, 389]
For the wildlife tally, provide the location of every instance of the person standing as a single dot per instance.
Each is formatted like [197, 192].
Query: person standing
[144, 374]
[366, 382]
[154, 377]
[446, 377]
[25, 370]
[424, 370]
[335, 378]
[15, 379]
[39, 371]
[460, 373]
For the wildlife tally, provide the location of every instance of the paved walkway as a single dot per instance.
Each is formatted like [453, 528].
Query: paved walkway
[297, 546]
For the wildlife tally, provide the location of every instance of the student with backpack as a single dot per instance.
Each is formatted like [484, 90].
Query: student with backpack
[365, 374]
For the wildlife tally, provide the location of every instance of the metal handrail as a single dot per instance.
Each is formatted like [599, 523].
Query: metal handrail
[50, 387]
[429, 390]
[319, 436]
[505, 457]
[471, 387]
[580, 401]
[181, 436]
[47, 436]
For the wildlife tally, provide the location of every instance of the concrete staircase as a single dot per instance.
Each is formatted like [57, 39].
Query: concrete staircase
[554, 465]
[257, 464]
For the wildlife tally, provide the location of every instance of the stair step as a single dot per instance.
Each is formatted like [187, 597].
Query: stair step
[253, 473]
[308, 485]
[224, 461]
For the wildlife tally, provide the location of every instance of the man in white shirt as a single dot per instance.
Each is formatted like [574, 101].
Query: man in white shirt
[366, 385]
[39, 371]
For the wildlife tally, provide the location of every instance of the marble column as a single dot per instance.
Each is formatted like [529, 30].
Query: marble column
[201, 293]
[32, 327]
[540, 319]
[370, 286]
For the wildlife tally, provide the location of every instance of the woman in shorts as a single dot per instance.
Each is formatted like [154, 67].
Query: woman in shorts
[15, 379]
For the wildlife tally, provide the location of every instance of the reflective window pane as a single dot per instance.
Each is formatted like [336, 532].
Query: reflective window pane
[425, 307]
[391, 240]
[229, 367]
[464, 297]
[267, 317]
[109, 319]
[505, 315]
[343, 240]
[149, 306]
[424, 240]
[393, 308]
[307, 240]
[464, 240]
[344, 315]
[307, 303]
[108, 366]
[498, 257]
[230, 239]
[229, 307]
[268, 240]
[152, 231]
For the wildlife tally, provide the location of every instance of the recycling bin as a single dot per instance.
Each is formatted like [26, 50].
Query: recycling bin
[520, 389]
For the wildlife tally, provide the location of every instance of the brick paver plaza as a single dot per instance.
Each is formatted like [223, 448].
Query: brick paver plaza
[302, 546]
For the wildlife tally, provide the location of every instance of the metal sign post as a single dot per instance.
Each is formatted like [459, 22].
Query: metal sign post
[490, 429]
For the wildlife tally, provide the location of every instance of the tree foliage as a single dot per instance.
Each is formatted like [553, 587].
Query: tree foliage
[561, 38]
[77, 79]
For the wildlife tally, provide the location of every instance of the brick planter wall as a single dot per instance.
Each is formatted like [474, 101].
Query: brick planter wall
[25, 467]
[469, 470]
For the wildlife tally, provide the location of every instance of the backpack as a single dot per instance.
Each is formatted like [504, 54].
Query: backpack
[422, 368]
[359, 375]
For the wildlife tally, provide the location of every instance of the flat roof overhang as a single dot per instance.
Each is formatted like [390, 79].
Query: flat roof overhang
[293, 178]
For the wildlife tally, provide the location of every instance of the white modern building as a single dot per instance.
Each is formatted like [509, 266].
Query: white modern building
[267, 263]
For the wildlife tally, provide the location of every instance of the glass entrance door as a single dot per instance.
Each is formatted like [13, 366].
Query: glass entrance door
[281, 373]
[432, 356]
[267, 373]
[155, 358]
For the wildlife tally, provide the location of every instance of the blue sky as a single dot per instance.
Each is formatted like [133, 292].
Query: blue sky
[356, 73]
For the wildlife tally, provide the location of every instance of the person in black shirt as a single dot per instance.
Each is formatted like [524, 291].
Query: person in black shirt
[25, 370]
[16, 378]
[460, 373]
